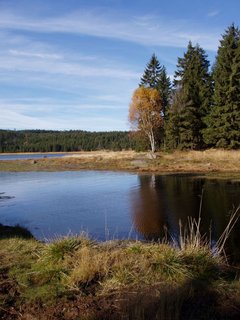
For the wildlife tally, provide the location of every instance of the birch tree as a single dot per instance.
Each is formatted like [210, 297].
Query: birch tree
[145, 113]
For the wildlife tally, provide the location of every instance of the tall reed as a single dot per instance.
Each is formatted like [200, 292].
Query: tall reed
[190, 237]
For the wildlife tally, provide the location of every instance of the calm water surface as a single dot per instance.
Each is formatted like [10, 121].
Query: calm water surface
[112, 205]
[16, 156]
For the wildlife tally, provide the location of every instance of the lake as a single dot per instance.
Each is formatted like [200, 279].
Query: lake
[114, 205]
[16, 156]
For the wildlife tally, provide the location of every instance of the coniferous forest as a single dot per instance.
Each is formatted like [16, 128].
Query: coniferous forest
[201, 108]
[63, 141]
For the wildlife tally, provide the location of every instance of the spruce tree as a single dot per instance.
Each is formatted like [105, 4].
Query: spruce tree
[164, 88]
[155, 77]
[151, 74]
[172, 132]
[234, 134]
[193, 89]
[223, 123]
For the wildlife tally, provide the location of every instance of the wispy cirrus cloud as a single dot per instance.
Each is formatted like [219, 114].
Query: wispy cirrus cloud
[50, 113]
[144, 30]
[41, 55]
[23, 54]
[48, 106]
[16, 63]
[213, 13]
[15, 119]
[23, 63]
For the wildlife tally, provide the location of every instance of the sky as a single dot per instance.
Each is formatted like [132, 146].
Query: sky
[74, 64]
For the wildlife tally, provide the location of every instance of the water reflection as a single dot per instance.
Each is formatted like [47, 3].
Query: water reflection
[162, 201]
[108, 204]
[148, 211]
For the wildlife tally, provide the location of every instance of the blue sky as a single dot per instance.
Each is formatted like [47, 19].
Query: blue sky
[73, 64]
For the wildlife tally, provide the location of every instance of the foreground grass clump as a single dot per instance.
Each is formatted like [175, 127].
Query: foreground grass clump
[116, 278]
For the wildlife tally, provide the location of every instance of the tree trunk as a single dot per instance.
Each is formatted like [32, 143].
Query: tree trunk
[152, 142]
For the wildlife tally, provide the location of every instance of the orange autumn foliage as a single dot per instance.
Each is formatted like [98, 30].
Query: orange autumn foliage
[145, 113]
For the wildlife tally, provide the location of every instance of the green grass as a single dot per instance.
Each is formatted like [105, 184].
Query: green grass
[139, 278]
[77, 262]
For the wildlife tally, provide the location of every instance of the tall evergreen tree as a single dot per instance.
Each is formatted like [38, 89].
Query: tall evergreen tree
[191, 100]
[164, 87]
[151, 76]
[172, 128]
[155, 77]
[223, 123]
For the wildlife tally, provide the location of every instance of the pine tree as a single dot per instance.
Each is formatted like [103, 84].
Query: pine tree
[151, 76]
[155, 77]
[164, 87]
[193, 89]
[172, 133]
[223, 123]
[234, 134]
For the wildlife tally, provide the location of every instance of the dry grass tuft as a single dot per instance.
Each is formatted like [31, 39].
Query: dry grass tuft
[157, 278]
[150, 278]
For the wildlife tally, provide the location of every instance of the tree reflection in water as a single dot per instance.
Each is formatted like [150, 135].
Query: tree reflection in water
[161, 202]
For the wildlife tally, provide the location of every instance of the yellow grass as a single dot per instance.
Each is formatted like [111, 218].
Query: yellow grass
[208, 161]
[98, 155]
[166, 276]
[211, 155]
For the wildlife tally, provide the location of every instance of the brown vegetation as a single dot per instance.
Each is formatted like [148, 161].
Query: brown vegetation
[76, 278]
[210, 161]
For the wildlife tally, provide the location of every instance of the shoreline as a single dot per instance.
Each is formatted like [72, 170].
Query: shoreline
[64, 152]
[33, 153]
[222, 163]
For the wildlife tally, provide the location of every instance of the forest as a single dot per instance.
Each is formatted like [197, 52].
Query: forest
[63, 141]
[201, 108]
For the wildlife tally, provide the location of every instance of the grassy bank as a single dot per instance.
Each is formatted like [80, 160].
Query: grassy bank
[209, 161]
[76, 278]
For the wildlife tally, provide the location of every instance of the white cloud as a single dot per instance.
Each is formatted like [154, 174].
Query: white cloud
[213, 13]
[66, 68]
[145, 30]
[14, 119]
[40, 55]
[25, 58]
[115, 99]
[50, 106]
[50, 114]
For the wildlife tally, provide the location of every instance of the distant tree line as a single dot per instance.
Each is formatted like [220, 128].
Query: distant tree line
[201, 108]
[65, 141]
